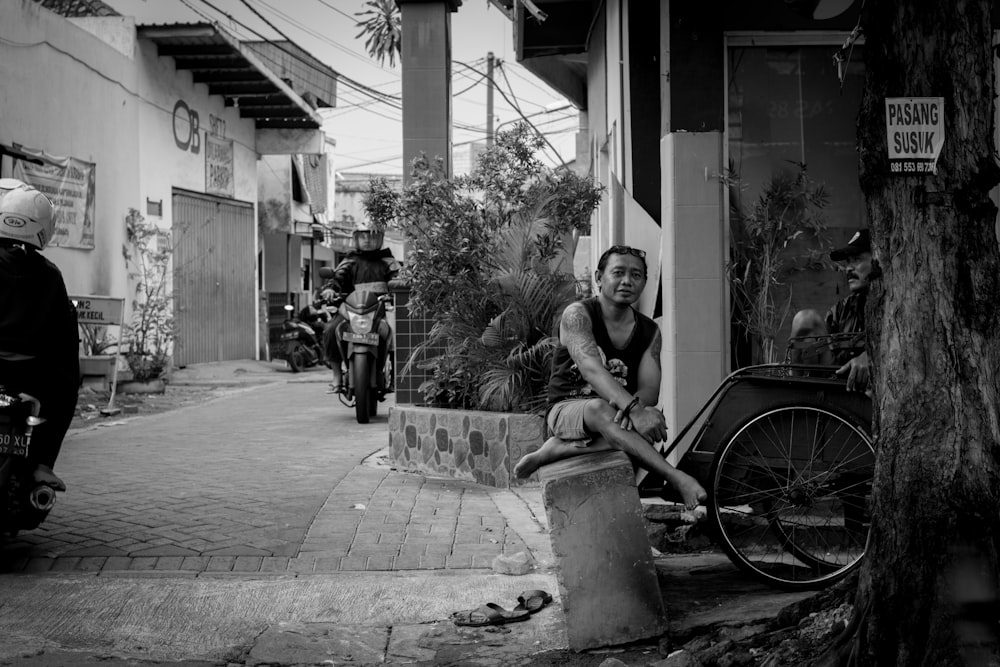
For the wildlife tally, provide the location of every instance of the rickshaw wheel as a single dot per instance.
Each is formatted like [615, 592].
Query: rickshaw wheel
[790, 495]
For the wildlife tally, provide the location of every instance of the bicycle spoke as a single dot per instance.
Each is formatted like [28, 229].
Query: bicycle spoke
[790, 495]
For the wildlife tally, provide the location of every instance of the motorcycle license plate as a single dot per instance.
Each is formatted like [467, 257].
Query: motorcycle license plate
[290, 335]
[367, 339]
[13, 442]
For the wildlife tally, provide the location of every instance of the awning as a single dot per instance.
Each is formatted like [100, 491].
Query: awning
[233, 70]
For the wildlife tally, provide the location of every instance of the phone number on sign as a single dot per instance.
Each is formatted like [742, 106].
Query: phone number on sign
[911, 167]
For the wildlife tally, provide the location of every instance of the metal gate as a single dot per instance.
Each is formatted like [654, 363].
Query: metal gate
[215, 295]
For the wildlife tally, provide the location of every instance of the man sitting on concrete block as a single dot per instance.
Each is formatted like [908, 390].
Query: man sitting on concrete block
[605, 380]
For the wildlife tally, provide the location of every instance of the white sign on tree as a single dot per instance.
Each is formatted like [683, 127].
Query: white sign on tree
[914, 133]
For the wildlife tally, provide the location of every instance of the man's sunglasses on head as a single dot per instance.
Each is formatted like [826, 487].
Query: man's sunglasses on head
[626, 250]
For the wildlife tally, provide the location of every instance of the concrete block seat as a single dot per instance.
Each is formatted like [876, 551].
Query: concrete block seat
[607, 580]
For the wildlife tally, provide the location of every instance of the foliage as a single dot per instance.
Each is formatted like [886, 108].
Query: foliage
[383, 26]
[149, 335]
[486, 263]
[789, 208]
[380, 202]
[96, 340]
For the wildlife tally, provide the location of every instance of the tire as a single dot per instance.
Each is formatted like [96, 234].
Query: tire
[296, 356]
[790, 494]
[361, 377]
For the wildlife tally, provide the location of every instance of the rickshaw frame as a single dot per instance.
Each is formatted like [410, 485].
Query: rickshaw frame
[785, 452]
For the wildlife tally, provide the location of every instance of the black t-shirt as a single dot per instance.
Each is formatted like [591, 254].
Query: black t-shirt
[36, 315]
[566, 382]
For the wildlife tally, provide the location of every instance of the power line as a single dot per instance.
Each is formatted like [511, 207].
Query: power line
[470, 87]
[465, 143]
[323, 38]
[514, 104]
[273, 27]
[531, 81]
[389, 99]
[341, 12]
[510, 88]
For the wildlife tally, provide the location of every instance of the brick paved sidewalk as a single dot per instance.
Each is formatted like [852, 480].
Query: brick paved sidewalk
[238, 486]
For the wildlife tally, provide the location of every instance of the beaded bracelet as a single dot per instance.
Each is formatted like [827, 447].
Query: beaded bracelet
[628, 408]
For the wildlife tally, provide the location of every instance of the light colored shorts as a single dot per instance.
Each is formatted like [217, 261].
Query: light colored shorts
[565, 421]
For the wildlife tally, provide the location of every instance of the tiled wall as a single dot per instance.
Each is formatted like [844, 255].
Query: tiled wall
[482, 447]
[695, 320]
[410, 332]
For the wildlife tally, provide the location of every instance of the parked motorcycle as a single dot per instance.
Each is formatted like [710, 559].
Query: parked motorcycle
[301, 342]
[365, 341]
[24, 504]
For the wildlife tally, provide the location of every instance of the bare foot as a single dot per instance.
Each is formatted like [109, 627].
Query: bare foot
[528, 464]
[551, 450]
[691, 491]
[43, 475]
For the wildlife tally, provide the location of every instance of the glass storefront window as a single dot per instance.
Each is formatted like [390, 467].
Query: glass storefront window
[787, 107]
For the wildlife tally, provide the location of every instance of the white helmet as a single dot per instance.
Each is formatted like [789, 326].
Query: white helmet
[25, 214]
[8, 184]
[365, 225]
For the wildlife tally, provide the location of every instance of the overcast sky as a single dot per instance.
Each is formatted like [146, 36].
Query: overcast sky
[369, 134]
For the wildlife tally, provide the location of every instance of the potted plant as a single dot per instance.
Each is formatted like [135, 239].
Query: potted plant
[149, 334]
[490, 262]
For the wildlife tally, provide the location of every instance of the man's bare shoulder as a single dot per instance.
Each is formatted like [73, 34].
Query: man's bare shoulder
[576, 318]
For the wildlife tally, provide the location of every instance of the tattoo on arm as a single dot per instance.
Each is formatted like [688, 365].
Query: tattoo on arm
[578, 335]
[654, 348]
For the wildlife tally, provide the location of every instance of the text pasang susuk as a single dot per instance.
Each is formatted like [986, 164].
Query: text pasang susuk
[914, 133]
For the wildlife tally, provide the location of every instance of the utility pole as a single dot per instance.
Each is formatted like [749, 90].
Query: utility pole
[489, 99]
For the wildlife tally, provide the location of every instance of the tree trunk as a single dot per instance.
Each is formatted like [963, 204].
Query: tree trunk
[929, 591]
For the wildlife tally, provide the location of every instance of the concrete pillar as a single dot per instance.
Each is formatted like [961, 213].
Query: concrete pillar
[607, 581]
[426, 65]
[695, 246]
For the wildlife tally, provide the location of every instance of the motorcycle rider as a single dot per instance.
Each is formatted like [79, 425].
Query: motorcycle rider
[39, 340]
[368, 267]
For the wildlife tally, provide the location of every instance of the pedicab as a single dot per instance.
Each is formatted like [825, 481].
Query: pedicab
[785, 453]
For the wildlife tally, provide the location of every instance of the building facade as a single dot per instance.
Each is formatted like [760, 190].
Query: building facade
[158, 125]
[691, 110]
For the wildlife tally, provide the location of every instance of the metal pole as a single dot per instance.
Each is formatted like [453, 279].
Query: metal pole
[489, 99]
[288, 268]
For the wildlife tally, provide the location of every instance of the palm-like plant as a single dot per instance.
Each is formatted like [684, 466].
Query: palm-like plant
[486, 263]
[790, 206]
[382, 24]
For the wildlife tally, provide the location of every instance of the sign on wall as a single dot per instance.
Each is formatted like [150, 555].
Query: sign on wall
[98, 310]
[914, 133]
[219, 166]
[69, 185]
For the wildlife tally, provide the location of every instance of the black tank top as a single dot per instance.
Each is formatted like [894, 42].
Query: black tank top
[565, 380]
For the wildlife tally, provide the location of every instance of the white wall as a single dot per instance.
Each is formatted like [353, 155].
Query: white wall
[173, 155]
[124, 114]
[689, 244]
[68, 93]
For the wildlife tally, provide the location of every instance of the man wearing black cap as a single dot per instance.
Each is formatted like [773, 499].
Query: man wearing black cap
[846, 317]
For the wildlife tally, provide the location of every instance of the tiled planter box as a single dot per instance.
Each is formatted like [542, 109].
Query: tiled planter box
[465, 444]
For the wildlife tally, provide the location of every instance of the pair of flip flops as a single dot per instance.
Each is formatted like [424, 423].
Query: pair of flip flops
[528, 603]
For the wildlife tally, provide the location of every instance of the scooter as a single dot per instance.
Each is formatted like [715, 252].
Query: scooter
[365, 341]
[301, 343]
[24, 504]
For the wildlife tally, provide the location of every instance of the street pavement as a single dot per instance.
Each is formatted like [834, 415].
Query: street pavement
[266, 527]
[259, 519]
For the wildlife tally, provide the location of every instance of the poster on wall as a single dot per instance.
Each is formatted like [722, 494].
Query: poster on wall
[70, 186]
[219, 166]
[914, 133]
